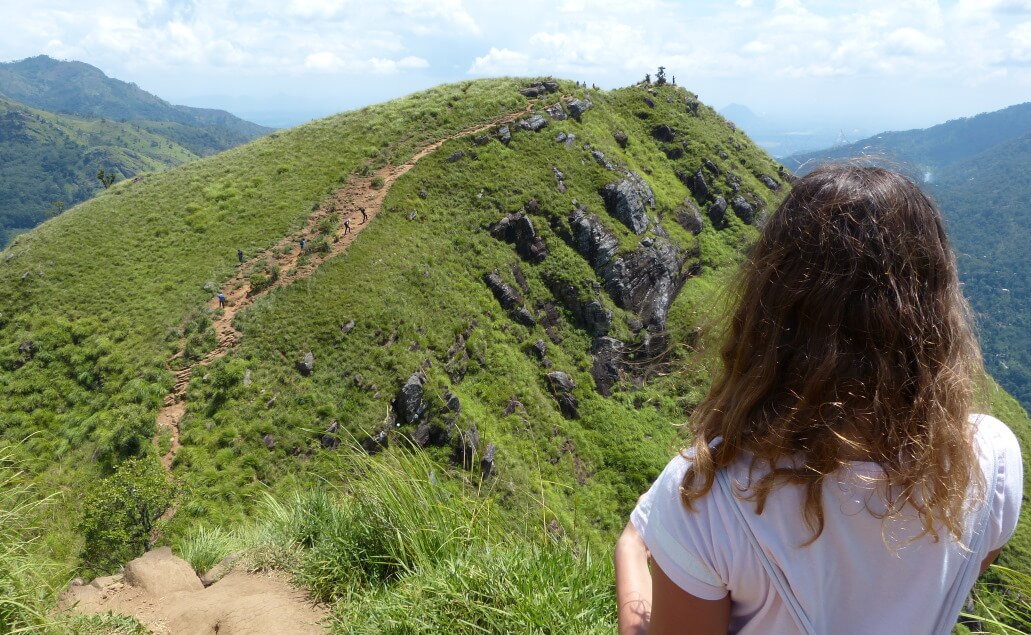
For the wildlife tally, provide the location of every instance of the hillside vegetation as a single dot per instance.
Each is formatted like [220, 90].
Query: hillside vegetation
[62, 122]
[977, 169]
[517, 330]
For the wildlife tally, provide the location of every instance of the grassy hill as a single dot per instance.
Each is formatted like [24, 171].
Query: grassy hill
[601, 284]
[61, 122]
[976, 168]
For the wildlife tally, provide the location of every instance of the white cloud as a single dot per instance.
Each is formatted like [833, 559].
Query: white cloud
[501, 62]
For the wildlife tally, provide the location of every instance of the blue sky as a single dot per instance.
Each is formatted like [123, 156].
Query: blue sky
[877, 64]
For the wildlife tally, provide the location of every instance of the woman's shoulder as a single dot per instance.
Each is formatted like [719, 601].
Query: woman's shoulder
[996, 435]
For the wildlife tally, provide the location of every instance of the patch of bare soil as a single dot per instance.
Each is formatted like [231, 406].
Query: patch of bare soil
[163, 593]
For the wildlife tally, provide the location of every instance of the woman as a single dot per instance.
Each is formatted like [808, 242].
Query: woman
[837, 482]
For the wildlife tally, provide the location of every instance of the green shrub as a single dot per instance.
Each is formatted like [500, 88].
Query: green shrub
[120, 513]
[377, 182]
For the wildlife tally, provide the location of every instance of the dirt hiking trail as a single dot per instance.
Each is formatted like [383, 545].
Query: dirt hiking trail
[347, 201]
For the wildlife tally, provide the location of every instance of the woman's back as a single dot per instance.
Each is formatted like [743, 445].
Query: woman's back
[853, 578]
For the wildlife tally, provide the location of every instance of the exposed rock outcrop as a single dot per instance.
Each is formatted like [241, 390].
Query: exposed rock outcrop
[533, 123]
[646, 281]
[664, 133]
[487, 462]
[577, 107]
[620, 138]
[504, 135]
[592, 239]
[690, 217]
[467, 443]
[409, 405]
[607, 368]
[627, 199]
[506, 296]
[556, 112]
[718, 212]
[561, 386]
[769, 182]
[587, 311]
[539, 88]
[744, 210]
[518, 230]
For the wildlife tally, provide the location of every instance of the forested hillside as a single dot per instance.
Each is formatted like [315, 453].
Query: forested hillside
[437, 412]
[977, 170]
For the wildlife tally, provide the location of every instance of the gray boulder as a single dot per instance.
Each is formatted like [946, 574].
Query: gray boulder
[330, 438]
[523, 316]
[269, 441]
[455, 157]
[744, 210]
[504, 134]
[375, 443]
[626, 200]
[664, 133]
[620, 138]
[769, 182]
[561, 386]
[711, 167]
[533, 123]
[699, 187]
[602, 160]
[409, 406]
[306, 365]
[556, 112]
[577, 107]
[517, 229]
[718, 212]
[646, 281]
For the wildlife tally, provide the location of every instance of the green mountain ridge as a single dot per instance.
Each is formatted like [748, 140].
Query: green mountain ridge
[64, 121]
[495, 261]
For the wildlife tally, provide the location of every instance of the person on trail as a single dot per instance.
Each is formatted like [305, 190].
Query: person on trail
[303, 243]
[347, 226]
[838, 480]
[365, 217]
[239, 255]
[221, 300]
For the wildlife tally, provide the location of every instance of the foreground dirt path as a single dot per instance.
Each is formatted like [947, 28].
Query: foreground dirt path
[163, 593]
[347, 201]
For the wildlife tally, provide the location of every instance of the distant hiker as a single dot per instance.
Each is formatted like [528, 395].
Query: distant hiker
[239, 255]
[365, 217]
[221, 300]
[303, 243]
[347, 226]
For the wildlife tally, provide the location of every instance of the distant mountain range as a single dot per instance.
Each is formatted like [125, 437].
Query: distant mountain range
[61, 122]
[977, 168]
[782, 138]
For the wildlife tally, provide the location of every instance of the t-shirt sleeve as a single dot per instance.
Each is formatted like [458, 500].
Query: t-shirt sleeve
[681, 542]
[1007, 484]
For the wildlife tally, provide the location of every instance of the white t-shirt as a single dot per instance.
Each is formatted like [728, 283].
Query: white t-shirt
[853, 578]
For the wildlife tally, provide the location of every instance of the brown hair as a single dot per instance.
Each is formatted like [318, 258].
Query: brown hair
[850, 341]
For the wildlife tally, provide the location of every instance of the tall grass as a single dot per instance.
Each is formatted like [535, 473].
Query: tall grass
[1002, 602]
[401, 546]
[25, 594]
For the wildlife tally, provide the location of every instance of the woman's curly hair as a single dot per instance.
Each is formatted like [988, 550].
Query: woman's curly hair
[850, 341]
